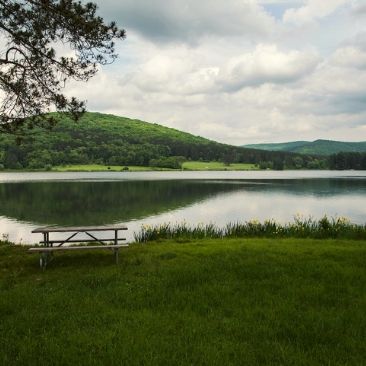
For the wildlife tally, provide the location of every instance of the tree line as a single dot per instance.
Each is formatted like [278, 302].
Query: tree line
[345, 161]
[110, 140]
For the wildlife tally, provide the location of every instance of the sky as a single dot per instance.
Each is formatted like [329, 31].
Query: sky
[238, 71]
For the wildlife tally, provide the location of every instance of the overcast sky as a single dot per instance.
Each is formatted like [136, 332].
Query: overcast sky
[238, 71]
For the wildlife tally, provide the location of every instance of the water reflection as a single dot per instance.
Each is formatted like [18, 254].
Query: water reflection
[24, 205]
[97, 203]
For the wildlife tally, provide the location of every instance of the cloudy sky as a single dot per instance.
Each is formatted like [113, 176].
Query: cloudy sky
[238, 71]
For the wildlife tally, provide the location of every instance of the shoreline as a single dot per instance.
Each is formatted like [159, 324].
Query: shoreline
[134, 169]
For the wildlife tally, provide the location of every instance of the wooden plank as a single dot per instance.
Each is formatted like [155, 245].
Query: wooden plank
[52, 249]
[55, 229]
[78, 241]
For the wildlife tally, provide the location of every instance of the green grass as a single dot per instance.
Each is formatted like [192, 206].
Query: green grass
[101, 168]
[204, 302]
[215, 165]
[189, 165]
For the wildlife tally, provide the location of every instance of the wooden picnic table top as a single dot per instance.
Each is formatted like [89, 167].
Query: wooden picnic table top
[63, 229]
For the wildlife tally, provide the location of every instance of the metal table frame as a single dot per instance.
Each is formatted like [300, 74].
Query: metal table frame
[46, 253]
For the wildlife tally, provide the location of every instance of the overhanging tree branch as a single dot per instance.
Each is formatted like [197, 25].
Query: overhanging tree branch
[32, 75]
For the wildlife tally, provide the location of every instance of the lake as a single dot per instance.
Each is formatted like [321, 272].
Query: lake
[29, 200]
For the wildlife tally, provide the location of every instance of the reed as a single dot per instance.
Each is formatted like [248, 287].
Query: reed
[300, 227]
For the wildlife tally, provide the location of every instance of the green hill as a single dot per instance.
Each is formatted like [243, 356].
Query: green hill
[110, 140]
[318, 147]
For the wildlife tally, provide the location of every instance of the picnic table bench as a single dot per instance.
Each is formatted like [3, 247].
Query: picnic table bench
[49, 246]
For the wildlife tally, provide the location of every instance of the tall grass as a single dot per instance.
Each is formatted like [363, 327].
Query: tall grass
[324, 228]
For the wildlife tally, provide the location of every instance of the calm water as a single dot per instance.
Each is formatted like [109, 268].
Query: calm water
[29, 200]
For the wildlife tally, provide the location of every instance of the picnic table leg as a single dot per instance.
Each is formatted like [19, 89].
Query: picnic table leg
[115, 243]
[44, 256]
[116, 255]
[43, 260]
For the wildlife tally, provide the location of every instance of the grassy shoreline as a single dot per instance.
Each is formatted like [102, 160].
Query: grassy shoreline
[202, 302]
[301, 227]
[189, 166]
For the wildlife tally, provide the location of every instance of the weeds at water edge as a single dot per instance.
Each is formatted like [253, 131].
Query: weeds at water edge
[324, 228]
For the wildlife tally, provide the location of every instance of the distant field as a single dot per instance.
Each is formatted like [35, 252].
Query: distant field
[214, 165]
[189, 165]
[252, 302]
[101, 168]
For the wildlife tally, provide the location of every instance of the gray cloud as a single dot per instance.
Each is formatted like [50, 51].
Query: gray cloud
[359, 10]
[189, 20]
[359, 41]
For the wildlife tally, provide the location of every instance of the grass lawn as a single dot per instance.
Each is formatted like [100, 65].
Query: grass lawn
[215, 165]
[97, 168]
[188, 165]
[205, 302]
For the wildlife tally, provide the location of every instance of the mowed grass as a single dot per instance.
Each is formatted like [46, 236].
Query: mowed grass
[215, 165]
[101, 168]
[188, 165]
[205, 302]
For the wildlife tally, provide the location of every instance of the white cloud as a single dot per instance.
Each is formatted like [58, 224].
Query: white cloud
[181, 71]
[278, 95]
[281, 2]
[267, 64]
[177, 71]
[350, 57]
[312, 10]
[226, 78]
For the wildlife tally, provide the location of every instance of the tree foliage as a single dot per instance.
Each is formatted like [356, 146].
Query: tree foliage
[348, 160]
[32, 73]
[110, 140]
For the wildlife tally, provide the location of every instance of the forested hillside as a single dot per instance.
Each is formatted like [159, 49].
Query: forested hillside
[318, 147]
[111, 140]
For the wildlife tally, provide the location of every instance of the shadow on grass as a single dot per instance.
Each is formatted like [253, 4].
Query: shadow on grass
[17, 261]
[95, 259]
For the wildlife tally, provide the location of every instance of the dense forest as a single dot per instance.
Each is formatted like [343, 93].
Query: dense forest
[111, 140]
[318, 147]
[344, 161]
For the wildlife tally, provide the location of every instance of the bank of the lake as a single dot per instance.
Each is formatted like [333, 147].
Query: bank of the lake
[205, 302]
[188, 165]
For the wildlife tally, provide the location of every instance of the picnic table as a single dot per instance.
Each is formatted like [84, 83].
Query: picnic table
[50, 246]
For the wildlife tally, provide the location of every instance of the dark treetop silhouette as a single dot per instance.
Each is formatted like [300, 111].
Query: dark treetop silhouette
[31, 74]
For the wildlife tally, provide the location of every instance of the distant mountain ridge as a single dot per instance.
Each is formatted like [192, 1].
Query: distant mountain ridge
[317, 147]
